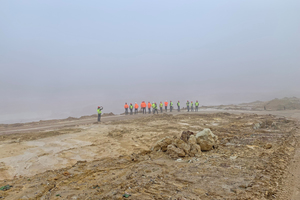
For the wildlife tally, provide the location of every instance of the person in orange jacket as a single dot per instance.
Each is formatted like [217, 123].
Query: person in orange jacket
[143, 106]
[126, 108]
[136, 107]
[166, 105]
[149, 107]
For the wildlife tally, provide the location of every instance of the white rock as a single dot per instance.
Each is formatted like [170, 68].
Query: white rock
[207, 140]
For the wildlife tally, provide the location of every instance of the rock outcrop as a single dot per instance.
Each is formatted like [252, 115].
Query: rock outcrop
[207, 140]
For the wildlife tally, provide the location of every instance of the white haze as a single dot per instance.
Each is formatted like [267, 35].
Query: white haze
[64, 58]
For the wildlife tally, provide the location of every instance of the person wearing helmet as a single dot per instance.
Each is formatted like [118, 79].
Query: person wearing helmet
[149, 107]
[161, 106]
[126, 108]
[171, 106]
[131, 108]
[99, 110]
[136, 107]
[192, 106]
[143, 106]
[166, 105]
[178, 105]
[188, 106]
[196, 105]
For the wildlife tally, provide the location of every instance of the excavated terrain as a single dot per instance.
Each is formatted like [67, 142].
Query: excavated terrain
[250, 162]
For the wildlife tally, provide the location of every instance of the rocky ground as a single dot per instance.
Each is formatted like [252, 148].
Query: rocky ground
[249, 161]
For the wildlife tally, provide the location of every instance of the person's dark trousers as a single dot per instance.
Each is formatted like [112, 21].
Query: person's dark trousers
[99, 117]
[196, 108]
[126, 111]
[155, 110]
[160, 109]
[149, 109]
[171, 108]
[135, 111]
[192, 109]
[144, 110]
[131, 111]
[188, 108]
[166, 108]
[178, 109]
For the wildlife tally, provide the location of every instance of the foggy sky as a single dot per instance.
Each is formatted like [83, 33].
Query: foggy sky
[64, 58]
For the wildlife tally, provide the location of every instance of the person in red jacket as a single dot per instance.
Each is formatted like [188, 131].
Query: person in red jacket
[143, 106]
[126, 108]
[166, 105]
[136, 107]
[149, 107]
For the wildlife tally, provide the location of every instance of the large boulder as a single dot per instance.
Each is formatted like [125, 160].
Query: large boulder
[182, 145]
[185, 135]
[162, 144]
[195, 149]
[207, 140]
[175, 152]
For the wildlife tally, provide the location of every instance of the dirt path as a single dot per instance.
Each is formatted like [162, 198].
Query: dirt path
[28, 127]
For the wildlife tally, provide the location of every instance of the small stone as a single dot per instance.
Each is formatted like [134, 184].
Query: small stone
[268, 146]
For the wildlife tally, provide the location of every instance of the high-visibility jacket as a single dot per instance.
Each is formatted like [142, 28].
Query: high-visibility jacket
[161, 105]
[192, 104]
[99, 111]
[149, 105]
[166, 103]
[143, 105]
[187, 103]
[136, 106]
[197, 104]
[178, 104]
[153, 105]
[131, 106]
[126, 106]
[171, 103]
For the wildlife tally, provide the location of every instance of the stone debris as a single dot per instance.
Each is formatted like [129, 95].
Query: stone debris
[189, 144]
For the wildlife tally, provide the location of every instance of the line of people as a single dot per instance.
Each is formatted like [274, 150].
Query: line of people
[154, 107]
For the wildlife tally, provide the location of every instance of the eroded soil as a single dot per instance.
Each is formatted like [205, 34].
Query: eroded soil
[106, 161]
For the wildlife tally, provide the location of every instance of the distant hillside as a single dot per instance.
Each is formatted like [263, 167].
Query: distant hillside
[286, 103]
[282, 104]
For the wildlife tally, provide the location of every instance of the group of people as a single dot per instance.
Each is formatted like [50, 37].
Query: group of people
[153, 106]
[135, 108]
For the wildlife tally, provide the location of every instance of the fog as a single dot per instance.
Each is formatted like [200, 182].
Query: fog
[64, 58]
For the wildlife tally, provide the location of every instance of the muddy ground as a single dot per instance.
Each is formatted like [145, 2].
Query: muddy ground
[108, 160]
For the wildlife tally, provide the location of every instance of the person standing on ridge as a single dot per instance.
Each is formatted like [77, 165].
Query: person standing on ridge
[136, 107]
[143, 106]
[155, 109]
[149, 107]
[161, 106]
[171, 106]
[178, 105]
[131, 108]
[192, 106]
[99, 110]
[126, 108]
[196, 105]
[188, 106]
[166, 105]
